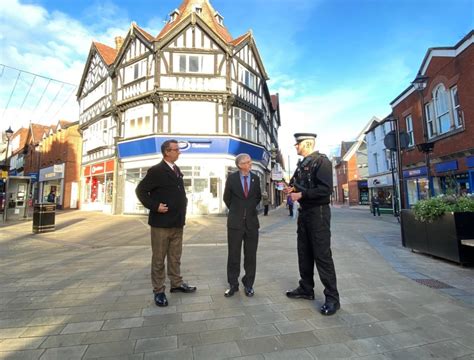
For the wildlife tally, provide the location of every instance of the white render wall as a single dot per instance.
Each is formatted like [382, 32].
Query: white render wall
[377, 146]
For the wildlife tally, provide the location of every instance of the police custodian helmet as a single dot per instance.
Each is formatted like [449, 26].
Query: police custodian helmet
[304, 136]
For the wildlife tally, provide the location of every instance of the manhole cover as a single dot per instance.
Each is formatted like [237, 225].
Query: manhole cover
[434, 284]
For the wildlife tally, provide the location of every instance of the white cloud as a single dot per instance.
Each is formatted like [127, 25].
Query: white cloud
[53, 45]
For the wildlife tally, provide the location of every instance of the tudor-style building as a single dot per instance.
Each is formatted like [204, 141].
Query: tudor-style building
[192, 82]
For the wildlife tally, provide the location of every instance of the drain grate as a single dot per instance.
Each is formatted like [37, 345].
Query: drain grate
[434, 284]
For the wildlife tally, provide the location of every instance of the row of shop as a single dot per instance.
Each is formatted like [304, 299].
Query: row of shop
[205, 163]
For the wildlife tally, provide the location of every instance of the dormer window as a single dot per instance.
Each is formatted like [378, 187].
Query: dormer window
[198, 9]
[219, 18]
[174, 15]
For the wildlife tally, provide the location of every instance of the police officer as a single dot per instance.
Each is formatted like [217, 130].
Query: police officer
[311, 186]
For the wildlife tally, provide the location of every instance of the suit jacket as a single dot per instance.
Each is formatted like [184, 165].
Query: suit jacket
[161, 185]
[242, 210]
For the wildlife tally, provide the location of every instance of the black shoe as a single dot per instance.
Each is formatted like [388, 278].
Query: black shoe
[249, 291]
[330, 308]
[299, 293]
[160, 299]
[183, 288]
[231, 291]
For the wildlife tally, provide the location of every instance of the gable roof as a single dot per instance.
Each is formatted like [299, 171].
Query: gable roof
[207, 14]
[107, 53]
[36, 132]
[443, 51]
[359, 140]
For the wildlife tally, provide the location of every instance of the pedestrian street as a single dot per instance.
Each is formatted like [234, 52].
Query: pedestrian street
[84, 292]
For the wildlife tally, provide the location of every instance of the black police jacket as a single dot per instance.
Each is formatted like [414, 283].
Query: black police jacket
[313, 178]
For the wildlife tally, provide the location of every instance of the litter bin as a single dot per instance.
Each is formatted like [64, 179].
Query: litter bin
[43, 217]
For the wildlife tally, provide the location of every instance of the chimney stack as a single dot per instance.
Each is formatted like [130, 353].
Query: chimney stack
[118, 42]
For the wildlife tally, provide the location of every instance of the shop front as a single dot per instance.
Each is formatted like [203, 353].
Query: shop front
[363, 192]
[470, 172]
[204, 162]
[382, 187]
[416, 185]
[51, 185]
[97, 186]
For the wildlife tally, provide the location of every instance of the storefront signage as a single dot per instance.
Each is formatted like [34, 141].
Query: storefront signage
[380, 181]
[211, 145]
[418, 172]
[50, 173]
[470, 161]
[99, 168]
[446, 166]
[34, 177]
[277, 173]
[362, 184]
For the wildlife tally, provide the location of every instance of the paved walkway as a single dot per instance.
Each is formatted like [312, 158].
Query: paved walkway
[83, 292]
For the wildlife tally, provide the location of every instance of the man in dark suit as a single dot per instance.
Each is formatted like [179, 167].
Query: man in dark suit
[162, 192]
[242, 194]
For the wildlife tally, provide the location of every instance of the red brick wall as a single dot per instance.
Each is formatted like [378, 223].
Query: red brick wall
[449, 71]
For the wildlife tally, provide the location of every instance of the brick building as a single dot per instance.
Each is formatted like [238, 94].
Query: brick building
[440, 157]
[59, 159]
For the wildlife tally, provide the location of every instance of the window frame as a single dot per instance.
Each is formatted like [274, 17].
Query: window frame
[409, 127]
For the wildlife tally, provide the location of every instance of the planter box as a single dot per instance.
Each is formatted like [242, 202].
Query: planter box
[441, 238]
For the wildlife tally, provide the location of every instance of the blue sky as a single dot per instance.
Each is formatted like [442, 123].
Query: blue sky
[335, 63]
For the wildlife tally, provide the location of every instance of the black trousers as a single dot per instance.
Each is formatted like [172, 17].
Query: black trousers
[265, 210]
[314, 246]
[235, 237]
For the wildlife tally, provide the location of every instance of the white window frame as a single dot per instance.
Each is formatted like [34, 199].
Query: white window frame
[186, 63]
[244, 124]
[135, 71]
[455, 106]
[430, 123]
[441, 107]
[409, 127]
[248, 78]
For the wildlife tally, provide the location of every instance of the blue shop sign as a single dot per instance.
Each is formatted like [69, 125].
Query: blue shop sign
[470, 161]
[418, 172]
[446, 166]
[212, 145]
[363, 184]
[34, 177]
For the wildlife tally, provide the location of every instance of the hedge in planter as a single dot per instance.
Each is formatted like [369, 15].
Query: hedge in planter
[436, 226]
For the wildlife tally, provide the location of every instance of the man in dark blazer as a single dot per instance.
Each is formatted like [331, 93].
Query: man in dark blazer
[162, 192]
[242, 194]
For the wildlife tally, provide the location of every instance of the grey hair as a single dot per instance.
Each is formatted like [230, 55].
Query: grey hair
[239, 158]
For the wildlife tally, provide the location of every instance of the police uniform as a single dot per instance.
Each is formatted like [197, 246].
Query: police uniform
[313, 179]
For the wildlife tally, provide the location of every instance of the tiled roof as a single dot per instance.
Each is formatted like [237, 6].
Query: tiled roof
[147, 35]
[207, 15]
[238, 40]
[38, 131]
[107, 53]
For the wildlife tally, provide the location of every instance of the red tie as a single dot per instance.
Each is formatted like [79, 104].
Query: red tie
[176, 171]
[246, 187]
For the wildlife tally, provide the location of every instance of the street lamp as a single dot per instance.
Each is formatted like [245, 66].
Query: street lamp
[8, 134]
[426, 147]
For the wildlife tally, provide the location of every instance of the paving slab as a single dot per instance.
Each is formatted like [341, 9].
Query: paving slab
[84, 292]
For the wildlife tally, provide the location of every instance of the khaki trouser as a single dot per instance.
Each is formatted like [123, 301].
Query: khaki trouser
[166, 243]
